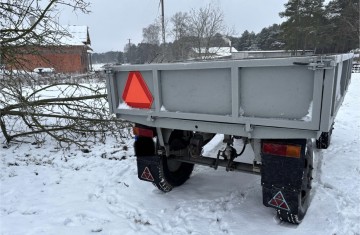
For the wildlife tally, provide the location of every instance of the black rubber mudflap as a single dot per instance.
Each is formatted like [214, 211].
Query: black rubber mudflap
[281, 199]
[282, 182]
[148, 168]
[151, 169]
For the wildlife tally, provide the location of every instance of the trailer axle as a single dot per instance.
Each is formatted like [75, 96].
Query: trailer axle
[214, 163]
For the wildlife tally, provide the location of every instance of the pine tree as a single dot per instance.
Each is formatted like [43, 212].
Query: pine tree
[343, 18]
[269, 38]
[246, 42]
[304, 24]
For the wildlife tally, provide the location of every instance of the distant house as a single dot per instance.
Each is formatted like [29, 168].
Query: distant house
[69, 55]
[212, 52]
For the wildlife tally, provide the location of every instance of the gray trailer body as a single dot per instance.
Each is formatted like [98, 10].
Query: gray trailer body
[280, 98]
[278, 105]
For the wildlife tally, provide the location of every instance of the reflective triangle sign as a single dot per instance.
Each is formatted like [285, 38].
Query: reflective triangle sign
[136, 93]
[279, 201]
[146, 175]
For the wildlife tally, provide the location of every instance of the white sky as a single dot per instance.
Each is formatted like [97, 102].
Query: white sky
[113, 22]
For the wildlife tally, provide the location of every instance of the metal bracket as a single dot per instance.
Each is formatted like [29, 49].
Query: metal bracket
[248, 128]
[150, 118]
[160, 136]
[109, 71]
[319, 63]
[322, 64]
[256, 166]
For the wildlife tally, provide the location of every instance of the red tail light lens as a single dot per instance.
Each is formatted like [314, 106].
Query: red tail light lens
[143, 132]
[284, 150]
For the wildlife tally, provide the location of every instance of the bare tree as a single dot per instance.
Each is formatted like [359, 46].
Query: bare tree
[68, 109]
[204, 24]
[151, 34]
[180, 22]
[180, 32]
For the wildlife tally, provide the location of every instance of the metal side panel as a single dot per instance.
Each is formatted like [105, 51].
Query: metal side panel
[280, 93]
[336, 82]
[202, 91]
[112, 92]
[327, 101]
[252, 96]
[285, 93]
[214, 64]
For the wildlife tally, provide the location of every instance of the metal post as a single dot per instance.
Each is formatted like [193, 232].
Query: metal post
[163, 21]
[163, 28]
[129, 51]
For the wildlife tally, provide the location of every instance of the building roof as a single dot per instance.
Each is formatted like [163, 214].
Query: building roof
[216, 51]
[78, 35]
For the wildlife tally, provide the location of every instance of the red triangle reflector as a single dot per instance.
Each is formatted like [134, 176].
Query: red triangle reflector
[273, 202]
[279, 201]
[146, 175]
[136, 93]
[284, 206]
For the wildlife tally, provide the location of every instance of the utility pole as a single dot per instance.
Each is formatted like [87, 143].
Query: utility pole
[162, 21]
[129, 51]
[163, 28]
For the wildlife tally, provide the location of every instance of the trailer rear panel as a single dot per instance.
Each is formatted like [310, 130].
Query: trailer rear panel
[262, 98]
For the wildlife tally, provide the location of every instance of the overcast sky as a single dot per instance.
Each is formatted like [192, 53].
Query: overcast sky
[112, 22]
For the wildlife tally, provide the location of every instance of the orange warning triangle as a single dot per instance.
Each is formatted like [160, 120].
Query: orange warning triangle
[279, 201]
[146, 175]
[136, 93]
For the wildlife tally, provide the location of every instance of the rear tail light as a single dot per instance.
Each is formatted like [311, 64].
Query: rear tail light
[143, 132]
[285, 150]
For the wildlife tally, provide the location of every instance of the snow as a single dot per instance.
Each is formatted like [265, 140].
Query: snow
[99, 67]
[44, 70]
[163, 109]
[308, 116]
[46, 190]
[216, 51]
[78, 35]
[242, 112]
[124, 105]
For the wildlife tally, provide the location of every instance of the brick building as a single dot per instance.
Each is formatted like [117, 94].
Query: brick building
[71, 55]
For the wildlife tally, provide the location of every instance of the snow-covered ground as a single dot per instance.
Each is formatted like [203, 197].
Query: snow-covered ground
[98, 67]
[44, 190]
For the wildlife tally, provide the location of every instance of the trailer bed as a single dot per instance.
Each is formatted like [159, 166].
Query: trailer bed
[295, 97]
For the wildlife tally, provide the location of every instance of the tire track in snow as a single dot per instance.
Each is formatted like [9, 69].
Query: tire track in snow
[182, 218]
[215, 212]
[116, 193]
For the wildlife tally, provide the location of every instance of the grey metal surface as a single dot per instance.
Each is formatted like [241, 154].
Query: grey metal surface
[264, 98]
[203, 91]
[283, 93]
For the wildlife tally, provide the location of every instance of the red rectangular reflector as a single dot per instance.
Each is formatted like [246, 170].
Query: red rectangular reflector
[143, 132]
[284, 150]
